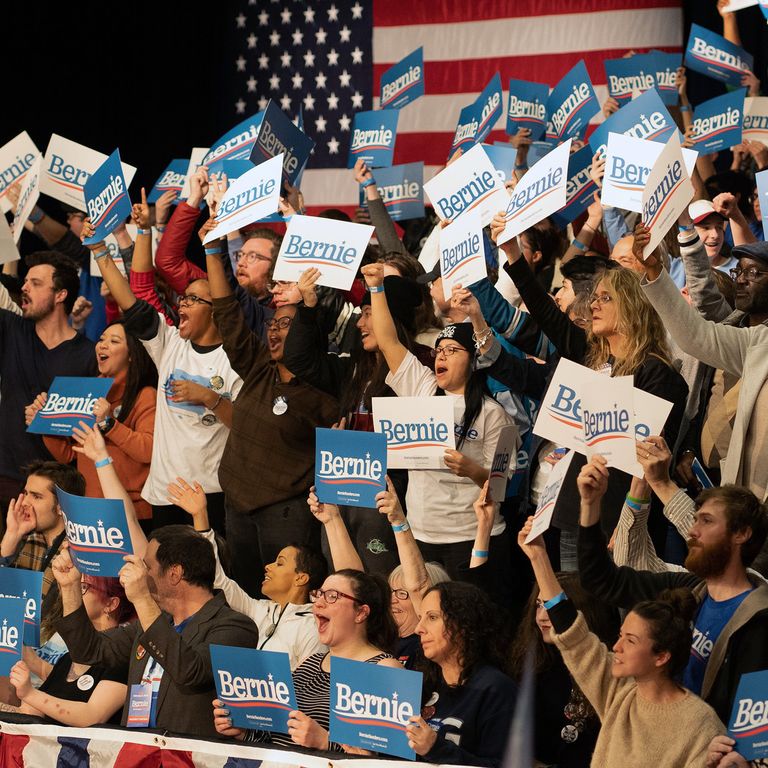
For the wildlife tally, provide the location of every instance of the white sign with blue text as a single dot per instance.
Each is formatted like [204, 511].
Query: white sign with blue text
[27, 586]
[16, 158]
[418, 430]
[462, 254]
[713, 55]
[70, 400]
[668, 190]
[252, 197]
[579, 189]
[336, 248]
[195, 161]
[469, 183]
[350, 467]
[28, 197]
[761, 179]
[403, 82]
[749, 718]
[106, 198]
[371, 705]
[373, 138]
[66, 168]
[11, 632]
[504, 462]
[628, 164]
[97, 532]
[255, 686]
[545, 509]
[755, 126]
[540, 192]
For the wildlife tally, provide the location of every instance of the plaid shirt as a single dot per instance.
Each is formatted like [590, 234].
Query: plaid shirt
[32, 556]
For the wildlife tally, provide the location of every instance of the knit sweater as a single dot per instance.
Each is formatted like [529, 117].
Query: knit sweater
[635, 733]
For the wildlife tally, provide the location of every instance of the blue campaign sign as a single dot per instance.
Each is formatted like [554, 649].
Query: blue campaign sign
[625, 76]
[579, 189]
[664, 66]
[712, 55]
[403, 82]
[70, 401]
[465, 136]
[537, 150]
[97, 532]
[527, 107]
[571, 105]
[235, 144]
[749, 716]
[278, 133]
[488, 107]
[762, 195]
[645, 117]
[28, 587]
[502, 157]
[401, 189]
[373, 138]
[371, 705]
[172, 178]
[255, 686]
[106, 198]
[11, 632]
[350, 467]
[717, 123]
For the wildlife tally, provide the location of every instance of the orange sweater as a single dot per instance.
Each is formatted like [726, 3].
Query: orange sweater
[129, 444]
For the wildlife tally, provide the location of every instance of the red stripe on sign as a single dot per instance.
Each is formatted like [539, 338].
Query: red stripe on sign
[472, 75]
[397, 12]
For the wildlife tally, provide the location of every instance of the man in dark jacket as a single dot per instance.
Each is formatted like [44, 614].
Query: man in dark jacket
[164, 654]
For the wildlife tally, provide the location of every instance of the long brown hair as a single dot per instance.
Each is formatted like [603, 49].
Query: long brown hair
[638, 322]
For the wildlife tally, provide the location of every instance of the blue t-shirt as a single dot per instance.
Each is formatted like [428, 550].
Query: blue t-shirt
[710, 621]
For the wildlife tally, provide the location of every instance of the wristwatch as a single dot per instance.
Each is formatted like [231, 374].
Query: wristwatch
[105, 425]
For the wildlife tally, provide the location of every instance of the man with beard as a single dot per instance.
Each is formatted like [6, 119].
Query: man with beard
[730, 635]
[34, 349]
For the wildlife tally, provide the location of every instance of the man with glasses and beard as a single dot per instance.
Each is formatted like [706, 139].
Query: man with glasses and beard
[730, 634]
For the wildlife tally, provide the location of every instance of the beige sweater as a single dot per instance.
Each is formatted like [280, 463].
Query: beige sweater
[635, 733]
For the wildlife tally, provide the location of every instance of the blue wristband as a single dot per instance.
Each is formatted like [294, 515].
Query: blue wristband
[685, 228]
[401, 528]
[368, 183]
[375, 289]
[576, 243]
[685, 108]
[103, 463]
[548, 604]
[140, 231]
[479, 553]
[213, 251]
[100, 254]
[521, 167]
[36, 216]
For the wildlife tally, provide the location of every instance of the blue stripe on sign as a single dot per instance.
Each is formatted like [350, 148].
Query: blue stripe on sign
[73, 753]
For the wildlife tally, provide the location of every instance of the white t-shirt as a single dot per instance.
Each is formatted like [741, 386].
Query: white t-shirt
[439, 502]
[189, 439]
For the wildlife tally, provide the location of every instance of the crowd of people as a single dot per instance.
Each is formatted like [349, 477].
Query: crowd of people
[637, 612]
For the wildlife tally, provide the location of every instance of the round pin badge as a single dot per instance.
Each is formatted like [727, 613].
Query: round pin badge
[217, 382]
[280, 406]
[85, 682]
[209, 419]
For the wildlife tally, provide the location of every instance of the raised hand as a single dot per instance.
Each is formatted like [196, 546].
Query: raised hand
[191, 498]
[485, 509]
[140, 213]
[217, 188]
[163, 205]
[21, 519]
[322, 511]
[388, 504]
[64, 570]
[90, 442]
[198, 186]
[597, 169]
[610, 105]
[306, 285]
[533, 548]
[87, 231]
[463, 299]
[80, 312]
[592, 481]
[37, 404]
[361, 171]
[20, 679]
[373, 274]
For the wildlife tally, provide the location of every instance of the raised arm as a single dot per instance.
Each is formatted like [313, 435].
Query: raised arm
[386, 233]
[725, 204]
[343, 552]
[118, 285]
[390, 346]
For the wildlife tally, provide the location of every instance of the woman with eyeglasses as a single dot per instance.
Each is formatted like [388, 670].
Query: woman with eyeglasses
[353, 620]
[440, 501]
[268, 463]
[78, 694]
[625, 338]
[197, 382]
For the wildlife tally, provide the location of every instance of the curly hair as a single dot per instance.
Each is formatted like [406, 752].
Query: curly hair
[637, 321]
[473, 627]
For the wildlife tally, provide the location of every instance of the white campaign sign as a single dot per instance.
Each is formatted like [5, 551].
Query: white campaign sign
[16, 158]
[542, 518]
[418, 430]
[462, 255]
[504, 462]
[469, 183]
[28, 196]
[8, 250]
[540, 192]
[737, 5]
[336, 248]
[250, 198]
[195, 161]
[667, 193]
[67, 167]
[755, 119]
[560, 414]
[608, 420]
[628, 163]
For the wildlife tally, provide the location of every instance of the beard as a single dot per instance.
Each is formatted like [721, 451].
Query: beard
[41, 311]
[708, 561]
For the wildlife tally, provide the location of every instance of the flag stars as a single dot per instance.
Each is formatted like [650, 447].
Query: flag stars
[320, 36]
[251, 40]
[239, 106]
[262, 102]
[263, 61]
[357, 100]
[345, 79]
[297, 80]
[320, 124]
[285, 16]
[333, 101]
[333, 146]
[251, 83]
[333, 13]
[264, 19]
[240, 63]
[333, 58]
[285, 102]
[320, 80]
[309, 16]
[241, 21]
[274, 82]
[309, 59]
[285, 59]
[357, 56]
[274, 38]
[357, 11]
[309, 102]
[344, 123]
[345, 34]
[298, 37]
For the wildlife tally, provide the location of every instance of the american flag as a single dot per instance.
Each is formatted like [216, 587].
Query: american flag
[328, 57]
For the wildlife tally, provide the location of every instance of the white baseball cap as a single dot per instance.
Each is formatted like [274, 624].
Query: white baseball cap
[698, 210]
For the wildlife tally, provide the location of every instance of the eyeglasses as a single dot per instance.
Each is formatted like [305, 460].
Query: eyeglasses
[401, 594]
[445, 351]
[601, 298]
[281, 323]
[251, 257]
[190, 298]
[275, 284]
[751, 273]
[329, 595]
[86, 587]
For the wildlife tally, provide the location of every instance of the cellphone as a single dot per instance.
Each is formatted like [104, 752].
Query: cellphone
[701, 474]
